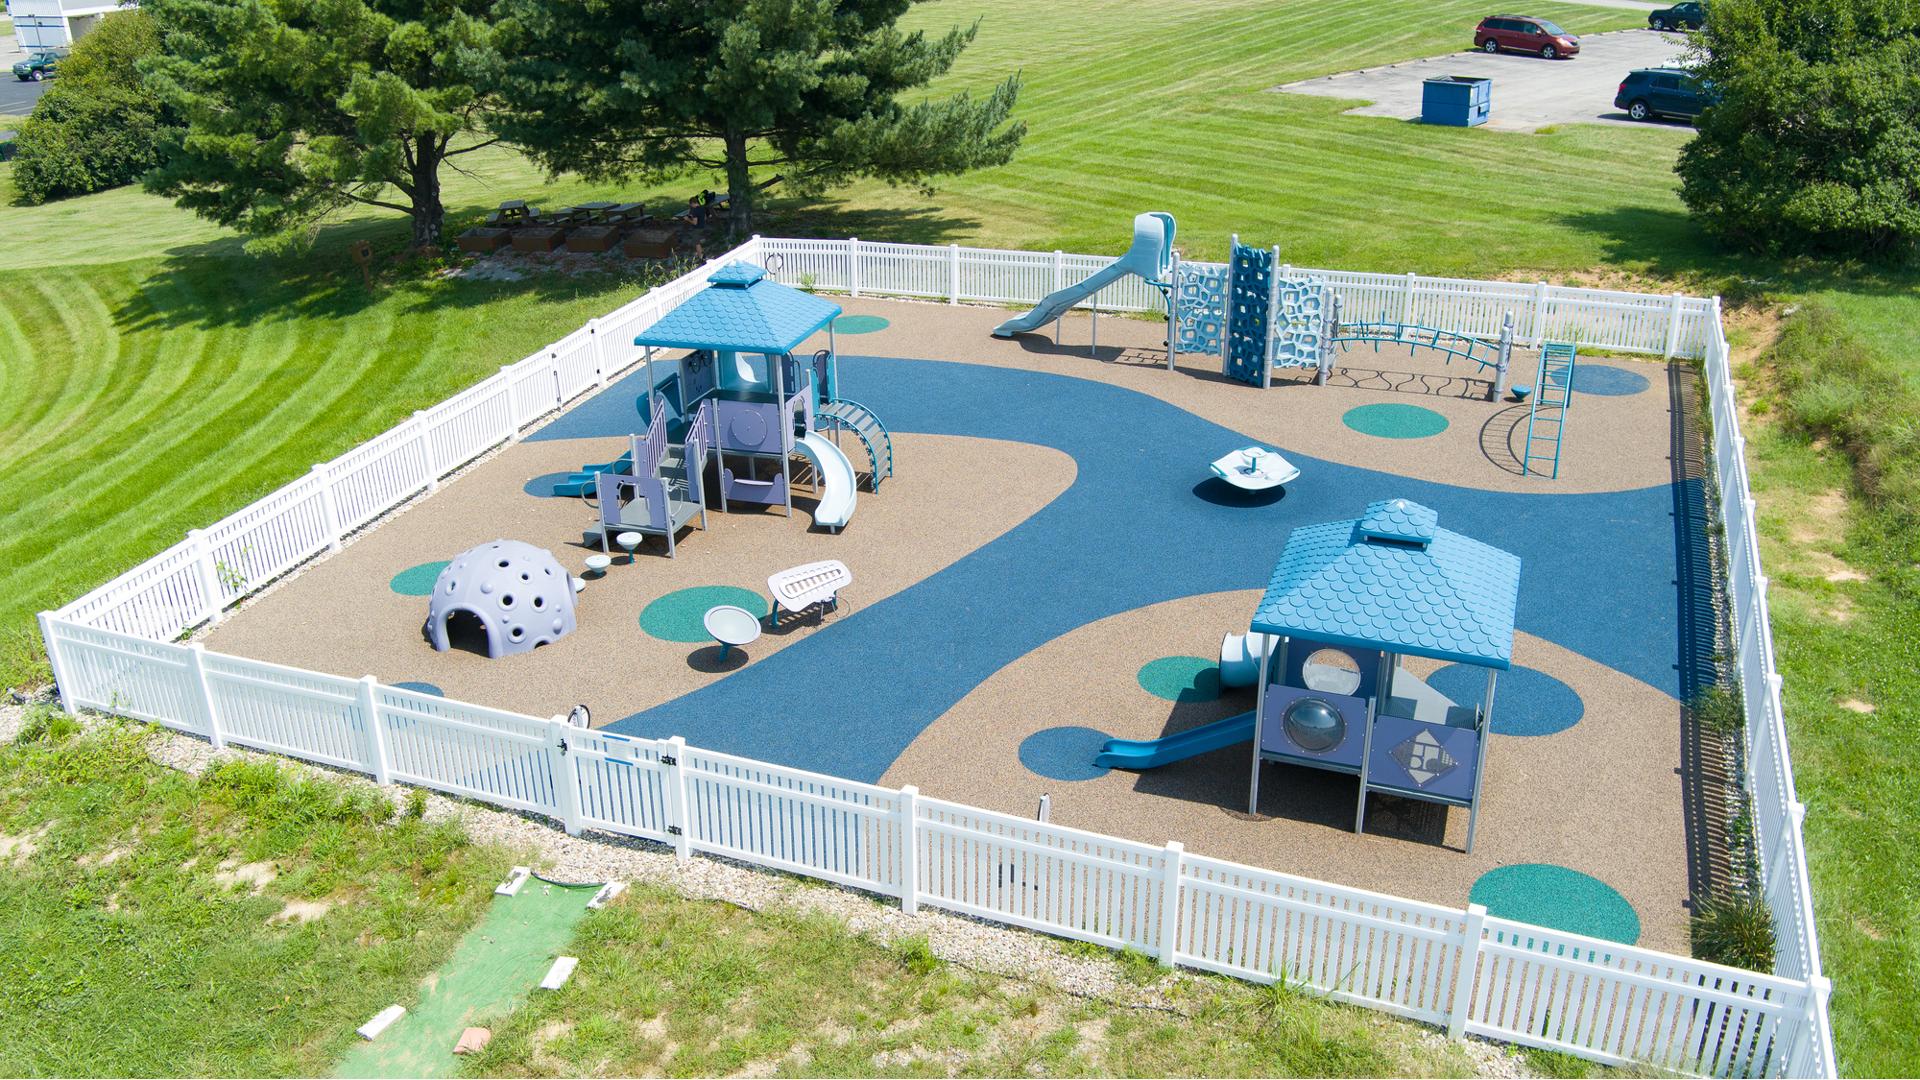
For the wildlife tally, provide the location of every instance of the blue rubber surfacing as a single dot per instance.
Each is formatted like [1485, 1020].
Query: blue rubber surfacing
[1598, 569]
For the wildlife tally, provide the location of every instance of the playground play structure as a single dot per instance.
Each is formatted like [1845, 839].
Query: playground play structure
[1259, 316]
[741, 402]
[1347, 600]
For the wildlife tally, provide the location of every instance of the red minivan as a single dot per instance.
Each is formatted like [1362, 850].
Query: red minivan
[1523, 33]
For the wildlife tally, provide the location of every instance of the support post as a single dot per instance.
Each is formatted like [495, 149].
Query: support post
[1173, 306]
[1273, 322]
[953, 273]
[566, 791]
[1170, 902]
[1673, 326]
[1463, 978]
[56, 661]
[425, 442]
[853, 266]
[1480, 758]
[209, 575]
[376, 735]
[679, 814]
[197, 656]
[1503, 364]
[329, 506]
[907, 812]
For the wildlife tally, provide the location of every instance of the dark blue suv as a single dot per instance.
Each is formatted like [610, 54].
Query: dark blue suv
[1651, 93]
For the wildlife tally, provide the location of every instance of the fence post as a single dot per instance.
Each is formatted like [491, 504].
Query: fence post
[55, 662]
[566, 791]
[1406, 301]
[1539, 333]
[209, 576]
[1819, 994]
[1673, 326]
[1059, 270]
[426, 451]
[599, 352]
[953, 273]
[1469, 967]
[514, 419]
[907, 810]
[853, 265]
[376, 735]
[197, 656]
[330, 506]
[679, 821]
[1170, 901]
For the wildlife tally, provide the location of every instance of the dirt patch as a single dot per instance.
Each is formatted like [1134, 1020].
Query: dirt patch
[17, 848]
[1865, 708]
[300, 911]
[255, 875]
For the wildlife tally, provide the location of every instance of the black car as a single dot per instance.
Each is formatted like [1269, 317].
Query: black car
[1651, 93]
[1687, 16]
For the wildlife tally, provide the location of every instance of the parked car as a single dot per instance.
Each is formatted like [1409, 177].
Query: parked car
[1686, 16]
[1523, 33]
[37, 66]
[1651, 93]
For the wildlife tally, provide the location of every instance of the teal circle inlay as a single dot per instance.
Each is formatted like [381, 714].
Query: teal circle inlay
[859, 324]
[1525, 701]
[677, 615]
[1064, 753]
[417, 580]
[1392, 420]
[1558, 898]
[1181, 678]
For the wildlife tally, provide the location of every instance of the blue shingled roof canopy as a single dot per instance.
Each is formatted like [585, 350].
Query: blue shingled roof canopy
[741, 310]
[1393, 579]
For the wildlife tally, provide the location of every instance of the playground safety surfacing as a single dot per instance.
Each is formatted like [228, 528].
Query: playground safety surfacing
[1050, 565]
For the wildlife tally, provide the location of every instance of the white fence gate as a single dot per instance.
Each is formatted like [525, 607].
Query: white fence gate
[112, 650]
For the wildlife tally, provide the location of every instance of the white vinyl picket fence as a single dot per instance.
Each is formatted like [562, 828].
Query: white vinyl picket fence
[114, 650]
[1459, 969]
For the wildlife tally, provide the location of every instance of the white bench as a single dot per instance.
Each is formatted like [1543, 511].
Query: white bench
[804, 586]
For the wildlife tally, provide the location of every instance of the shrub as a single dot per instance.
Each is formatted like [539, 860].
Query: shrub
[1736, 931]
[96, 127]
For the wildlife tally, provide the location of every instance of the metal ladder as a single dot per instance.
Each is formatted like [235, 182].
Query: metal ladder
[1547, 418]
[873, 435]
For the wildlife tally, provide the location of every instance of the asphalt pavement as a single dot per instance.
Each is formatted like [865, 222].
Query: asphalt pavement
[16, 97]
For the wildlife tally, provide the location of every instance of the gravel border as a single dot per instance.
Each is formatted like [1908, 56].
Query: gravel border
[1008, 952]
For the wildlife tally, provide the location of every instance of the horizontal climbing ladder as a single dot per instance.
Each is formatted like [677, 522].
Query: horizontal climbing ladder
[1480, 351]
[847, 415]
[1547, 418]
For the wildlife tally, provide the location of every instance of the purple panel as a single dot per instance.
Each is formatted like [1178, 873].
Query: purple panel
[1423, 759]
[1276, 739]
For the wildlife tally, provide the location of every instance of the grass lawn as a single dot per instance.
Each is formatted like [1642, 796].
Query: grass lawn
[143, 930]
[154, 376]
[673, 987]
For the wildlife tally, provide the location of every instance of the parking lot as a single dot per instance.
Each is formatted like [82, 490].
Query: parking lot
[1528, 93]
[16, 97]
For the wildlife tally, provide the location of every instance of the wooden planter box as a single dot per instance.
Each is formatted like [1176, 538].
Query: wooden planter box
[649, 243]
[537, 238]
[592, 238]
[482, 241]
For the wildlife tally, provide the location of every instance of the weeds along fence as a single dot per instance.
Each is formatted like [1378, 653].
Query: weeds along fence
[1459, 969]
[116, 650]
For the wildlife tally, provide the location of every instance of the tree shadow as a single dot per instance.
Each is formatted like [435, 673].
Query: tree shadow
[837, 219]
[1668, 243]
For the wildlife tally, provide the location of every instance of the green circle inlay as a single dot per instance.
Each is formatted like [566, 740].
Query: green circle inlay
[417, 580]
[677, 615]
[1391, 420]
[859, 324]
[1181, 678]
[1558, 898]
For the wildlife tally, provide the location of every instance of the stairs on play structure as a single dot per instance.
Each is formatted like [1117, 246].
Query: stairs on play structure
[1547, 419]
[845, 415]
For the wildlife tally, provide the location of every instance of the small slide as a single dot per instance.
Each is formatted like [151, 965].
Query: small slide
[836, 475]
[1139, 754]
[582, 481]
[1150, 256]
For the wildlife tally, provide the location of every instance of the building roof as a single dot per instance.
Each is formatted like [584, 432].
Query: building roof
[1393, 579]
[741, 310]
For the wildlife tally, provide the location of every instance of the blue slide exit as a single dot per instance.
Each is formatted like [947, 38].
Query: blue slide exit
[1151, 753]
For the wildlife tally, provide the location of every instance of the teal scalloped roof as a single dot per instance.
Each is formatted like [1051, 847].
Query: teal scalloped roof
[741, 310]
[1393, 579]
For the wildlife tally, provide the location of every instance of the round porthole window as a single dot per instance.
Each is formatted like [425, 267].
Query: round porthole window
[1314, 725]
[1331, 671]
